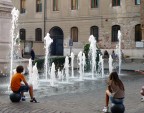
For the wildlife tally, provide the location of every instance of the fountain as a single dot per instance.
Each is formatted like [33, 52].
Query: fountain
[110, 64]
[14, 38]
[93, 54]
[52, 75]
[83, 63]
[102, 66]
[50, 72]
[80, 65]
[35, 77]
[72, 65]
[30, 67]
[48, 42]
[119, 50]
[63, 76]
[66, 67]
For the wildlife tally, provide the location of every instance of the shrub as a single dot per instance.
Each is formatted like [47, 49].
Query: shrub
[58, 61]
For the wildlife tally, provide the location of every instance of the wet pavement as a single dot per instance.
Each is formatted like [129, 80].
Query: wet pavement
[80, 97]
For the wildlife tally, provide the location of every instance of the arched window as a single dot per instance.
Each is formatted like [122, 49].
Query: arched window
[116, 2]
[38, 6]
[115, 29]
[94, 3]
[137, 2]
[138, 33]
[74, 34]
[94, 30]
[22, 33]
[22, 6]
[38, 34]
[74, 4]
[55, 5]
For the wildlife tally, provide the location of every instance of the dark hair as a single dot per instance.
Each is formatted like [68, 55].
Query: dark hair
[19, 69]
[115, 78]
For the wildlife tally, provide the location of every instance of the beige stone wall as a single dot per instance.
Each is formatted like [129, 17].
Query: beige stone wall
[5, 27]
[105, 16]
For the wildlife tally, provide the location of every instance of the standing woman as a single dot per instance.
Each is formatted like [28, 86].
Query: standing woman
[115, 91]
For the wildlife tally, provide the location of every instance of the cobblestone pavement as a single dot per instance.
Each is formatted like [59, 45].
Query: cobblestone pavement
[84, 101]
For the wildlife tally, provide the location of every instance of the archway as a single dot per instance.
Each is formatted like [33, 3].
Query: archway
[56, 34]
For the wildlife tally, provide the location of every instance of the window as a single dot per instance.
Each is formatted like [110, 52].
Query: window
[55, 5]
[74, 4]
[38, 34]
[138, 33]
[38, 6]
[115, 2]
[22, 6]
[22, 34]
[115, 29]
[94, 3]
[74, 34]
[94, 31]
[137, 2]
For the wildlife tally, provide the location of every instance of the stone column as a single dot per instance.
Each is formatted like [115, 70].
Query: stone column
[142, 18]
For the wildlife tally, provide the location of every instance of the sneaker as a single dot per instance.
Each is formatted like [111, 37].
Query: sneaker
[33, 100]
[105, 109]
[142, 99]
[23, 98]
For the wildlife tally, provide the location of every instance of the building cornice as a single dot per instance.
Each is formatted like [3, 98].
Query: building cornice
[6, 6]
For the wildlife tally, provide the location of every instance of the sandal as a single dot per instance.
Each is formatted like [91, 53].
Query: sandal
[33, 100]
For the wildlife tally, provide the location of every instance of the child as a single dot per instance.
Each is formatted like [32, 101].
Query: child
[17, 87]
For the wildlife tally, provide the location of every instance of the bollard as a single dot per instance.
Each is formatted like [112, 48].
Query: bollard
[15, 97]
[117, 108]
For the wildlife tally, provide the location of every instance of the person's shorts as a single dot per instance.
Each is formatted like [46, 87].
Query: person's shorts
[23, 88]
[116, 101]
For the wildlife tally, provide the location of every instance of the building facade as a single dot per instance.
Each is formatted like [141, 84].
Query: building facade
[5, 25]
[71, 22]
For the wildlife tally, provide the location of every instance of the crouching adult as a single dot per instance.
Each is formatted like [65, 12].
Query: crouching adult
[115, 91]
[18, 87]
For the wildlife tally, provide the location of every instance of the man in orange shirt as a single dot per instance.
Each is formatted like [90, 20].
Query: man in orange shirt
[17, 87]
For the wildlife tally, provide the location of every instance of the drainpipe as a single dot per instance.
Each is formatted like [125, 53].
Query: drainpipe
[45, 3]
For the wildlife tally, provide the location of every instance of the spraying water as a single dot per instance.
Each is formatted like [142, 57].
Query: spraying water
[14, 37]
[59, 74]
[35, 77]
[93, 53]
[30, 69]
[48, 42]
[72, 64]
[66, 67]
[110, 64]
[102, 65]
[80, 65]
[119, 51]
[52, 75]
[83, 63]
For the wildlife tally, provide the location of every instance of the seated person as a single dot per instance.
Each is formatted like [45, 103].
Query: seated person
[17, 87]
[114, 56]
[106, 54]
[115, 91]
